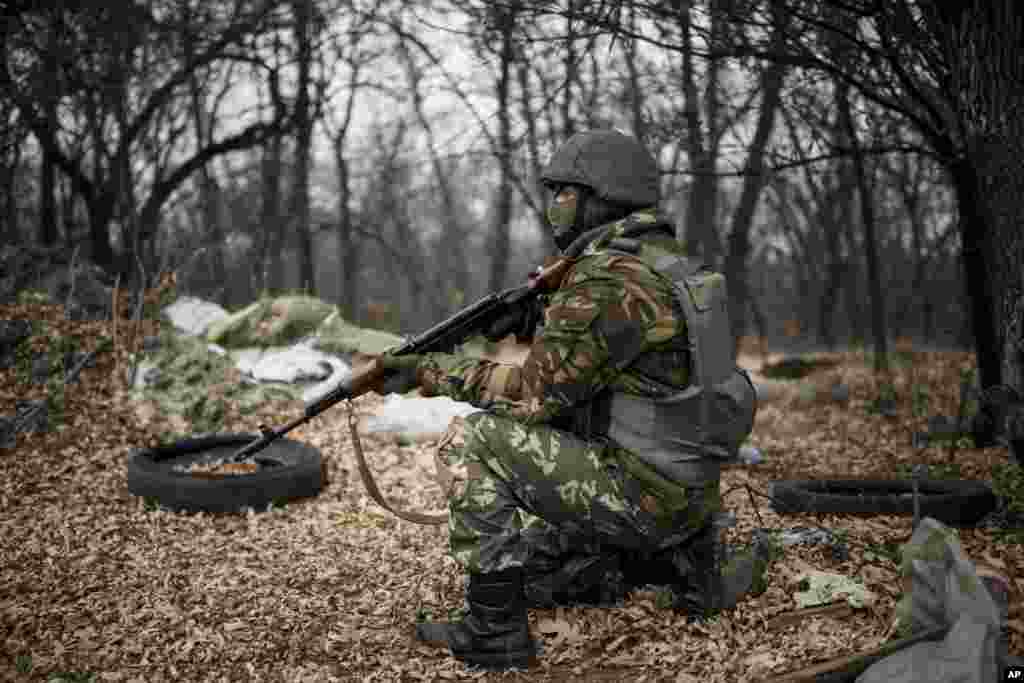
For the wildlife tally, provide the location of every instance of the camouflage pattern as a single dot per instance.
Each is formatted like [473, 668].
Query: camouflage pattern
[531, 495]
[613, 324]
[526, 491]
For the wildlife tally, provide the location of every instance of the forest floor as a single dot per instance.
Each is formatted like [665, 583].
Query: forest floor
[96, 585]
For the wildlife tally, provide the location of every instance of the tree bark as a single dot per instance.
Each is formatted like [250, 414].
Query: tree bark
[982, 41]
[978, 255]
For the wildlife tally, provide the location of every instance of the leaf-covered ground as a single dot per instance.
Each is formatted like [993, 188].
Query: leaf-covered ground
[96, 586]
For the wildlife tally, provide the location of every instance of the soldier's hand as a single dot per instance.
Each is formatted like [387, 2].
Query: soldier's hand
[520, 320]
[402, 373]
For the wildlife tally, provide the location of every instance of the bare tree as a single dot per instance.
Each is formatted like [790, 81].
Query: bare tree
[272, 231]
[977, 64]
[307, 23]
[348, 48]
[124, 79]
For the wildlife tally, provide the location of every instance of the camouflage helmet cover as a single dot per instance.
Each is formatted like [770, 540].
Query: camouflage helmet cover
[615, 166]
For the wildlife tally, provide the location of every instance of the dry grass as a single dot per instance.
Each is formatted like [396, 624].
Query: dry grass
[328, 588]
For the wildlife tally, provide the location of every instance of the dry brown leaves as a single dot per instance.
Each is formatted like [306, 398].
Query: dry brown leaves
[328, 589]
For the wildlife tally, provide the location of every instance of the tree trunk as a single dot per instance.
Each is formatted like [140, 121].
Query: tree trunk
[739, 235]
[635, 92]
[67, 213]
[837, 212]
[271, 264]
[995, 88]
[348, 247]
[209, 198]
[502, 240]
[867, 215]
[47, 232]
[568, 124]
[983, 51]
[300, 222]
[11, 231]
[533, 152]
[701, 226]
[978, 255]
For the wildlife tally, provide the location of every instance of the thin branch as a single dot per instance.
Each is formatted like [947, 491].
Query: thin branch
[837, 154]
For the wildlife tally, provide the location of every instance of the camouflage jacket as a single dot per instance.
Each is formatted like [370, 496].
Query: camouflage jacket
[613, 324]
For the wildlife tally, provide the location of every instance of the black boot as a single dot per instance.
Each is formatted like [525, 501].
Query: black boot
[581, 580]
[495, 634]
[713, 579]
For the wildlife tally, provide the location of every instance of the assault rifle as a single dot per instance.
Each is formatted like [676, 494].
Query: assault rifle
[495, 315]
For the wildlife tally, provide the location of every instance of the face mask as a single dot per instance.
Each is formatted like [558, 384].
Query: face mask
[562, 216]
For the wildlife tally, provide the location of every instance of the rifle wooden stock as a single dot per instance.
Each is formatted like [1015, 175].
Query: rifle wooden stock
[550, 278]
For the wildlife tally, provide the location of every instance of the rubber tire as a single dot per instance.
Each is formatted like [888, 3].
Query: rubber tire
[150, 475]
[959, 502]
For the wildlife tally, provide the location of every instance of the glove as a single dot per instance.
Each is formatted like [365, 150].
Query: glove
[403, 373]
[521, 320]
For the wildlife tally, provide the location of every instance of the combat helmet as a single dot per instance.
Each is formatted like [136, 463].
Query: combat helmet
[616, 167]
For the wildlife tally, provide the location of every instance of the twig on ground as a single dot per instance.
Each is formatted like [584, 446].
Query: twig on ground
[838, 609]
[757, 511]
[854, 665]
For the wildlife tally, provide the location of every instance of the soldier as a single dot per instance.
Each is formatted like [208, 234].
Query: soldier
[607, 442]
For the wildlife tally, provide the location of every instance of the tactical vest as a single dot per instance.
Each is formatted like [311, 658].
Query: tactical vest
[687, 435]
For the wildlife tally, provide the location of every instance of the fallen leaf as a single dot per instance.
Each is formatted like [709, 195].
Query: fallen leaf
[563, 631]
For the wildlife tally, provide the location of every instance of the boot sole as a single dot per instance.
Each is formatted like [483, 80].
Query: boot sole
[521, 659]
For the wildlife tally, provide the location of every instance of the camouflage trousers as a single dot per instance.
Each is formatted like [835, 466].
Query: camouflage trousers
[533, 496]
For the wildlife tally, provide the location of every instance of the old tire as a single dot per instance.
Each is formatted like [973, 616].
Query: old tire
[959, 502]
[151, 474]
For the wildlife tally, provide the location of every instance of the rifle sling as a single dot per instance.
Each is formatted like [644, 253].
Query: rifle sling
[371, 485]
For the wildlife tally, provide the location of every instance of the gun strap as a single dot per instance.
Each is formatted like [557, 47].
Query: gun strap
[371, 485]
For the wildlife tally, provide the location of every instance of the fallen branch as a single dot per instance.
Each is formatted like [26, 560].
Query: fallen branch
[839, 609]
[851, 666]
